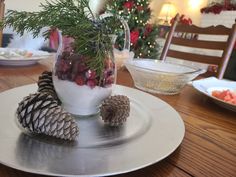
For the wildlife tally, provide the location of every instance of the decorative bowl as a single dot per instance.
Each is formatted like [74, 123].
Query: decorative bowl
[161, 77]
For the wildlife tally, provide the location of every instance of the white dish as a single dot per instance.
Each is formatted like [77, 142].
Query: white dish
[21, 57]
[206, 86]
[152, 132]
[211, 89]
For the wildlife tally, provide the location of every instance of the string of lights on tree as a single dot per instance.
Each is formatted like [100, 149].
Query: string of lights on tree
[142, 33]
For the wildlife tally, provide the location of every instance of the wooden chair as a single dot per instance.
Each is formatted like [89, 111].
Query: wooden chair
[194, 41]
[2, 11]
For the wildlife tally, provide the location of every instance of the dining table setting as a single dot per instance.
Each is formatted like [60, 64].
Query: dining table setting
[189, 133]
[98, 96]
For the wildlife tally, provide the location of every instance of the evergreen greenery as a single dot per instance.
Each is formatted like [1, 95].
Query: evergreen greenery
[75, 19]
[143, 34]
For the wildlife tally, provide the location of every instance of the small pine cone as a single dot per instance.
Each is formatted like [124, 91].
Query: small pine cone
[40, 113]
[115, 110]
[45, 84]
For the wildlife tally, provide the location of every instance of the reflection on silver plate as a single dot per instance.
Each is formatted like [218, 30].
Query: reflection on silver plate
[153, 131]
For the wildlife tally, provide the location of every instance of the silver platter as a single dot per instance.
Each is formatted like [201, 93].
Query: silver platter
[153, 131]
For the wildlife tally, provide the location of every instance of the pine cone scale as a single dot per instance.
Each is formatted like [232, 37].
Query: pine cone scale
[40, 113]
[45, 84]
[115, 110]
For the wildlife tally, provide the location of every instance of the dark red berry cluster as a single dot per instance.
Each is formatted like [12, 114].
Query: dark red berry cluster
[217, 8]
[73, 67]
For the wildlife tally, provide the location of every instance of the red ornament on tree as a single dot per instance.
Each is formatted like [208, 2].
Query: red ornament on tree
[129, 5]
[137, 14]
[148, 29]
[134, 35]
[139, 8]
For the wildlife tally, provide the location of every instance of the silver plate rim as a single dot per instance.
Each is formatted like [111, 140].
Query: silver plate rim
[118, 89]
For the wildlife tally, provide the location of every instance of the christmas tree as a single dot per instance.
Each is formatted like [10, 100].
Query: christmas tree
[142, 33]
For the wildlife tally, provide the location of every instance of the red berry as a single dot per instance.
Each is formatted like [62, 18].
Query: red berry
[110, 80]
[64, 66]
[108, 73]
[65, 55]
[83, 59]
[92, 83]
[80, 80]
[81, 67]
[90, 74]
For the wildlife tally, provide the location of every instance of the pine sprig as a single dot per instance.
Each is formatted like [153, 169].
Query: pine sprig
[60, 13]
[75, 19]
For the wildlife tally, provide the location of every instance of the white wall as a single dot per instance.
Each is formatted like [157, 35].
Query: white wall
[33, 5]
[23, 5]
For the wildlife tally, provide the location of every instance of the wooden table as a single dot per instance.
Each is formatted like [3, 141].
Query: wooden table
[209, 145]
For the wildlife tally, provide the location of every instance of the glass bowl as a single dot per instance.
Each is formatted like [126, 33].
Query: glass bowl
[161, 77]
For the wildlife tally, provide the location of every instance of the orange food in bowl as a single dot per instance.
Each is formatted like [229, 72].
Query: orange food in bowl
[225, 95]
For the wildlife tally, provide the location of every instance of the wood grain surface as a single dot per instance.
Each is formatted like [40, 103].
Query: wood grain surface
[209, 145]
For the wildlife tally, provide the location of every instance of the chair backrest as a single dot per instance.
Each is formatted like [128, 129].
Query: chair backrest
[190, 36]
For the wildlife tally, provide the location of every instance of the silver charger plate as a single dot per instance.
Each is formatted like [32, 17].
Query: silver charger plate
[152, 132]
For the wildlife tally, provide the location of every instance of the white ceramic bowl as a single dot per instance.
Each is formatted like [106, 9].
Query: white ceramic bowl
[156, 76]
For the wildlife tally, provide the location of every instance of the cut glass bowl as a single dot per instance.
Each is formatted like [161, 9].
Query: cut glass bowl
[161, 77]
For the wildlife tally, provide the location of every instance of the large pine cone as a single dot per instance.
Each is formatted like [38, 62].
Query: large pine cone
[40, 113]
[45, 84]
[115, 110]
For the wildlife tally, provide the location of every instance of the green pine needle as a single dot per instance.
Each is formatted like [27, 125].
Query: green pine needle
[75, 19]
